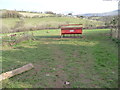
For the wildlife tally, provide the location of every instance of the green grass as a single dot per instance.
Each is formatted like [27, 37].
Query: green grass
[87, 62]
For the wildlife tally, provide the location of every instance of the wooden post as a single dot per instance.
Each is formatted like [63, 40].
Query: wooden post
[15, 72]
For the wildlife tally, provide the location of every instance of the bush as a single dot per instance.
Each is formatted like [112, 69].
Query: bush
[49, 12]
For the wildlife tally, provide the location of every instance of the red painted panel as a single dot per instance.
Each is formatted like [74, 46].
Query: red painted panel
[71, 31]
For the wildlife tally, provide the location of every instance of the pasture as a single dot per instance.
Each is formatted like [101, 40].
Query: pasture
[31, 24]
[90, 61]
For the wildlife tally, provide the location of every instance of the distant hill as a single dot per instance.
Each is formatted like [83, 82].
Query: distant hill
[112, 13]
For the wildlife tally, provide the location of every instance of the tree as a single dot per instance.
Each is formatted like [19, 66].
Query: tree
[49, 12]
[70, 14]
[80, 16]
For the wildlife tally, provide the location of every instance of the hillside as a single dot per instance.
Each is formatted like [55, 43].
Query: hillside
[45, 22]
[112, 13]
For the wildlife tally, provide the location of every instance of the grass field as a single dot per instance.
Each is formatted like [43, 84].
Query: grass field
[90, 61]
[53, 22]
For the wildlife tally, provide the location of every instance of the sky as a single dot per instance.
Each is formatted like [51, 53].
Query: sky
[61, 6]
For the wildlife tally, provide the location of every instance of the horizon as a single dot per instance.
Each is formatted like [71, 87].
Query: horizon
[61, 6]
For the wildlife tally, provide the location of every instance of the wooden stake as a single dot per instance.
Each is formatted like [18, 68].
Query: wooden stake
[15, 72]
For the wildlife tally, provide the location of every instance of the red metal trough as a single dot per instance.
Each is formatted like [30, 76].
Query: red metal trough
[71, 29]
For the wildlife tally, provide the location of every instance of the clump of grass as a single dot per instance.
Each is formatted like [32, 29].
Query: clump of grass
[4, 29]
[116, 40]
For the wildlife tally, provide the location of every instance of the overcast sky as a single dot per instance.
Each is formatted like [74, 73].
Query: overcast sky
[61, 6]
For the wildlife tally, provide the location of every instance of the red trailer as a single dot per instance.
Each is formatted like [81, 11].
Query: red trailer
[71, 29]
